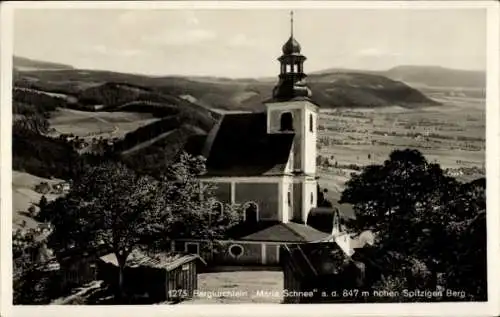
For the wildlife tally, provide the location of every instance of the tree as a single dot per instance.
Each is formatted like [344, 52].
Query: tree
[421, 214]
[113, 206]
[322, 200]
[32, 210]
[43, 202]
[31, 124]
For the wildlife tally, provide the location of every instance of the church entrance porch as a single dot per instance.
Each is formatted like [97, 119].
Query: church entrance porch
[251, 247]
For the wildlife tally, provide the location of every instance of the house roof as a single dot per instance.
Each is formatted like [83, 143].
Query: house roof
[287, 232]
[240, 146]
[168, 261]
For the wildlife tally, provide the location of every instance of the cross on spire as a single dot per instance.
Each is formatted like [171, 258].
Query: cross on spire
[291, 23]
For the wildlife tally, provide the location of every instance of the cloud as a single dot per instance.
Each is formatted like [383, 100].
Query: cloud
[191, 19]
[376, 52]
[241, 40]
[128, 18]
[182, 37]
[116, 52]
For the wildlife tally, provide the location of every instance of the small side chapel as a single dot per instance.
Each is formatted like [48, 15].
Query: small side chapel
[266, 162]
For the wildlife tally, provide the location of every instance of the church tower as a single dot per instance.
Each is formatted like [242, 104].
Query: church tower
[291, 110]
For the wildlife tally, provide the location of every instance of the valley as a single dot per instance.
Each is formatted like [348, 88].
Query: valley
[452, 135]
[89, 125]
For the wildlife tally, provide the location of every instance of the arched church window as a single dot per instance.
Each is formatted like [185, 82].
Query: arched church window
[251, 212]
[289, 198]
[312, 198]
[311, 123]
[286, 122]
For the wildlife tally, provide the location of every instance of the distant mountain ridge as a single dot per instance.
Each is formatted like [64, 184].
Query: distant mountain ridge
[330, 89]
[27, 64]
[187, 105]
[419, 76]
[436, 76]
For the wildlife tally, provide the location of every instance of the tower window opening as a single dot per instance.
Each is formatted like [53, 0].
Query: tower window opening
[311, 123]
[289, 198]
[286, 122]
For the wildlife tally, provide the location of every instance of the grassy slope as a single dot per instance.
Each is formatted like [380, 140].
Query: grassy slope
[24, 195]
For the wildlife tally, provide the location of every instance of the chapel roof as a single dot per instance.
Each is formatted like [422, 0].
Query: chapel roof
[240, 146]
[287, 232]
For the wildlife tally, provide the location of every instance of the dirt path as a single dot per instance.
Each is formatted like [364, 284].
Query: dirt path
[147, 143]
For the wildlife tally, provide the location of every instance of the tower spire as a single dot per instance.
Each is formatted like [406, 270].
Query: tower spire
[292, 77]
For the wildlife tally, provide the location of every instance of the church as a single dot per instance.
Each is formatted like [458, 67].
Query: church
[266, 163]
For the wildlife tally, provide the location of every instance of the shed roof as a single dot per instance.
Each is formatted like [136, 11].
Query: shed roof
[168, 261]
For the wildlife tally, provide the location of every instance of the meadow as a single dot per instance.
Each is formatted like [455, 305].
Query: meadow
[24, 196]
[88, 125]
[452, 134]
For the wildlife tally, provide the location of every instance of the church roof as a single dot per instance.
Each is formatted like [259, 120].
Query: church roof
[240, 146]
[287, 232]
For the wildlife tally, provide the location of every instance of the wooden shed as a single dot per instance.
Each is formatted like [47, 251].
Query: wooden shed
[78, 266]
[158, 277]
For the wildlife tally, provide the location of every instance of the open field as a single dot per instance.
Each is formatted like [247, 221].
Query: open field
[24, 195]
[452, 135]
[240, 287]
[96, 124]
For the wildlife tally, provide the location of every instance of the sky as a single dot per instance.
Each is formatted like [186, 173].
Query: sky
[245, 43]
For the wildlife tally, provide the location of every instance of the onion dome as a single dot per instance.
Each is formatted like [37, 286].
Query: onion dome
[291, 47]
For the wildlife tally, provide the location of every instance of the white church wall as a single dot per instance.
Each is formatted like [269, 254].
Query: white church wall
[310, 198]
[265, 195]
[286, 191]
[310, 140]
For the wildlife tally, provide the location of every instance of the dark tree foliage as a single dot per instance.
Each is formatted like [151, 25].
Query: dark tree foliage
[427, 222]
[111, 205]
[43, 156]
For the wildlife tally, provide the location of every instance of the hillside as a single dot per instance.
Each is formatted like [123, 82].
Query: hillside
[435, 76]
[26, 64]
[331, 90]
[185, 106]
[423, 76]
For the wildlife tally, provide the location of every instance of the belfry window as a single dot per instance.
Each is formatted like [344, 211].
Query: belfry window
[311, 123]
[286, 122]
